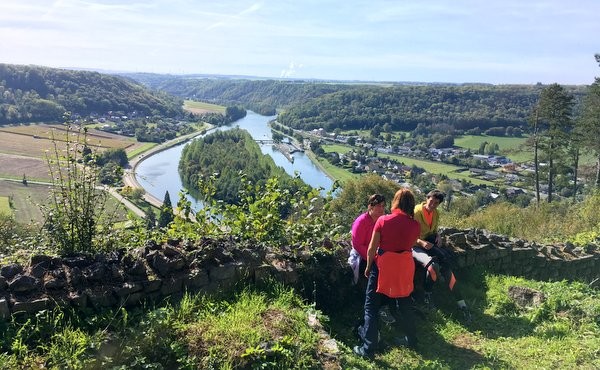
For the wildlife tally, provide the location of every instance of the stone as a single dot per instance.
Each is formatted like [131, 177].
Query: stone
[77, 261]
[95, 273]
[196, 279]
[526, 297]
[75, 276]
[23, 283]
[128, 288]
[225, 272]
[10, 271]
[33, 306]
[40, 259]
[152, 285]
[78, 300]
[38, 270]
[170, 286]
[55, 284]
[137, 269]
[133, 299]
[101, 299]
[4, 309]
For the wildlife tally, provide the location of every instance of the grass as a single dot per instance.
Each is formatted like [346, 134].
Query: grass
[200, 107]
[26, 199]
[268, 328]
[5, 206]
[140, 149]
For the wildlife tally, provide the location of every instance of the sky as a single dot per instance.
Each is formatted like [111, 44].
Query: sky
[457, 41]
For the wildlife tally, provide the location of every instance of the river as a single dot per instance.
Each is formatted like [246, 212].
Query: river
[159, 172]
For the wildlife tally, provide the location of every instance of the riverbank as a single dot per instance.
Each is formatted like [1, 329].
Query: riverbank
[129, 178]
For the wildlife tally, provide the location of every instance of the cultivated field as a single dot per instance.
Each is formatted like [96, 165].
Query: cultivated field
[95, 138]
[198, 107]
[23, 148]
[15, 166]
[25, 199]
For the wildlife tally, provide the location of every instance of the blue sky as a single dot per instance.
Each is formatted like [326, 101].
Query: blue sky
[499, 42]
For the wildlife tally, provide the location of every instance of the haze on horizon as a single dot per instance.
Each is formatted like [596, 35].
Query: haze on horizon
[498, 42]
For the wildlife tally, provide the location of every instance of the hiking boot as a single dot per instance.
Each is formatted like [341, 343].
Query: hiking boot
[428, 301]
[404, 341]
[386, 316]
[466, 313]
[360, 351]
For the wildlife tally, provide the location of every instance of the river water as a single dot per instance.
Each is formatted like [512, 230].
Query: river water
[159, 172]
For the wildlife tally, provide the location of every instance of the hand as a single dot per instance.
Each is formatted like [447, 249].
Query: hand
[367, 271]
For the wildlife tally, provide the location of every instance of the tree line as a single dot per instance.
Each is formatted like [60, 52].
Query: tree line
[33, 93]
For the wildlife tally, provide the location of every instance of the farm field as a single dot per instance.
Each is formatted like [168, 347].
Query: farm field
[26, 200]
[5, 206]
[514, 148]
[199, 107]
[45, 132]
[23, 148]
[14, 166]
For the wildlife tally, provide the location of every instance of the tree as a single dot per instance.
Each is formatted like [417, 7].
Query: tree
[166, 212]
[590, 122]
[534, 122]
[150, 218]
[555, 109]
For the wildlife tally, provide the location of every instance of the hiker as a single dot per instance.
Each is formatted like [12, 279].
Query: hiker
[362, 229]
[390, 270]
[429, 253]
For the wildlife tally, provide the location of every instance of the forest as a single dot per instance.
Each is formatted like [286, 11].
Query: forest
[317, 104]
[33, 94]
[227, 154]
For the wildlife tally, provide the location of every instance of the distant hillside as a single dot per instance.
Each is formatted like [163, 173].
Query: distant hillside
[314, 104]
[404, 107]
[33, 93]
[261, 96]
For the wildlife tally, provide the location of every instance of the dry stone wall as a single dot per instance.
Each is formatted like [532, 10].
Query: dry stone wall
[154, 272]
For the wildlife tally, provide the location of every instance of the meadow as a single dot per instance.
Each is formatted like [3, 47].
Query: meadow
[199, 107]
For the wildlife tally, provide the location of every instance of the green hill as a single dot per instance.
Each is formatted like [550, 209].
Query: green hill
[34, 93]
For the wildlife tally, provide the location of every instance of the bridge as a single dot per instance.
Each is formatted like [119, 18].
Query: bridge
[264, 141]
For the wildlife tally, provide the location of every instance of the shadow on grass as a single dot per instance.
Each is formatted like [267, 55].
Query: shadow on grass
[434, 350]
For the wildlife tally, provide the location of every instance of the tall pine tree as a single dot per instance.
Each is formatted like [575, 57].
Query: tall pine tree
[555, 110]
[166, 212]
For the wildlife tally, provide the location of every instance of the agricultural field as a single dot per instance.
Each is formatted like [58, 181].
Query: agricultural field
[14, 166]
[24, 199]
[514, 148]
[23, 148]
[47, 133]
[199, 107]
[5, 206]
[27, 198]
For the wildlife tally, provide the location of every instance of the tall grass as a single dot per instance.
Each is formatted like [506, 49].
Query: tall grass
[547, 222]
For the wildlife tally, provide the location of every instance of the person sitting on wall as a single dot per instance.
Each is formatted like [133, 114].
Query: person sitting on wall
[428, 252]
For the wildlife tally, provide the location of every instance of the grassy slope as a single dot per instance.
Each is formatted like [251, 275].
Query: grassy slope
[269, 327]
